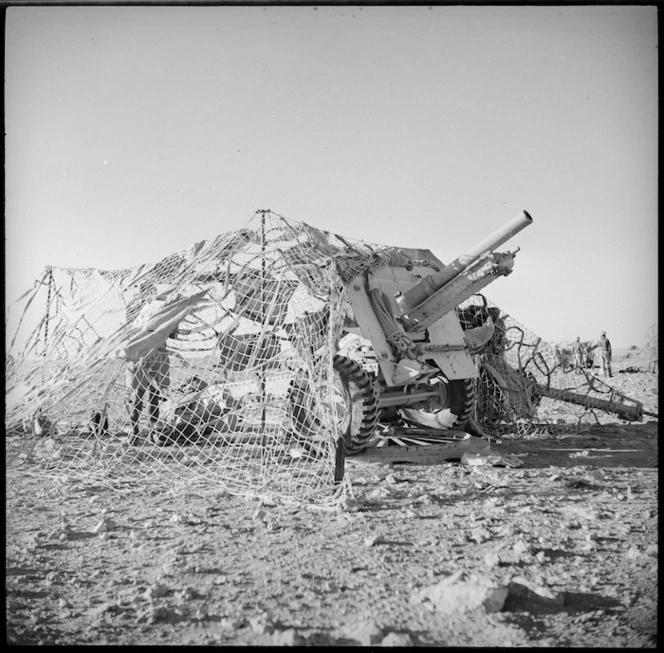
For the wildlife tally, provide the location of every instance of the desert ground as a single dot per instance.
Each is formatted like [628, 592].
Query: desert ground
[559, 548]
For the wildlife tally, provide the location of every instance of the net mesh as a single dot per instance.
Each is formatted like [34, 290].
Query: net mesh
[214, 367]
[189, 370]
[527, 386]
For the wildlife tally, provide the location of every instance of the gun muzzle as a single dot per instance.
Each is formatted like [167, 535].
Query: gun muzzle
[434, 282]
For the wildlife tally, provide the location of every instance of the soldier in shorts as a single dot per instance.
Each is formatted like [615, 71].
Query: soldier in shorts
[150, 375]
[604, 349]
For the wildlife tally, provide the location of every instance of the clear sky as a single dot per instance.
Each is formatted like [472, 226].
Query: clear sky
[133, 132]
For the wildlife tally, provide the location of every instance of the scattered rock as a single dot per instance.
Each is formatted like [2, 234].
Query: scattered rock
[259, 515]
[260, 625]
[397, 639]
[473, 459]
[289, 637]
[33, 543]
[378, 493]
[161, 614]
[156, 591]
[520, 547]
[365, 633]
[349, 504]
[98, 610]
[479, 535]
[524, 595]
[633, 553]
[106, 524]
[187, 594]
[578, 512]
[459, 593]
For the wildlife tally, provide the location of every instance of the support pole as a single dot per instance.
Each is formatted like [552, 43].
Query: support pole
[48, 307]
[262, 304]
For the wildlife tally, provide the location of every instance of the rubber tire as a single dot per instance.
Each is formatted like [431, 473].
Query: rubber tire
[460, 405]
[356, 389]
[360, 395]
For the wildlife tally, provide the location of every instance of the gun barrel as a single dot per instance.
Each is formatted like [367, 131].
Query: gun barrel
[430, 284]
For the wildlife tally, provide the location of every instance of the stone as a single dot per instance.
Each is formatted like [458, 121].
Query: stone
[520, 546]
[163, 614]
[187, 594]
[495, 600]
[106, 524]
[156, 591]
[479, 535]
[458, 593]
[289, 637]
[524, 595]
[259, 515]
[260, 625]
[396, 639]
[632, 553]
[366, 633]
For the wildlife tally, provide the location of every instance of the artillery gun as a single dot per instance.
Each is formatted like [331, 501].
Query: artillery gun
[408, 348]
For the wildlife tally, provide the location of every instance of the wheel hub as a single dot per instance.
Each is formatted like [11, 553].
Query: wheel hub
[341, 404]
[439, 401]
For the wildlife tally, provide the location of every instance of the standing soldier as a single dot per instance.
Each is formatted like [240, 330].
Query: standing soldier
[151, 375]
[604, 348]
[578, 351]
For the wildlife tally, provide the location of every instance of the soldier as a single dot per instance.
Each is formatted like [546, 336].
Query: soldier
[578, 351]
[604, 348]
[151, 375]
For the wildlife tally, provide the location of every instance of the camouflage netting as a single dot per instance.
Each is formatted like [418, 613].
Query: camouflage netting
[523, 378]
[213, 368]
[227, 338]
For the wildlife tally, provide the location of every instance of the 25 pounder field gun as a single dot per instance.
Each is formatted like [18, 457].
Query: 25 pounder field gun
[407, 354]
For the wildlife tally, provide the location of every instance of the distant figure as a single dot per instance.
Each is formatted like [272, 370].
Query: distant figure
[562, 357]
[604, 349]
[579, 354]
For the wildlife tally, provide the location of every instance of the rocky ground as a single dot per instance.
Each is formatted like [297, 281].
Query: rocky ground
[559, 550]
